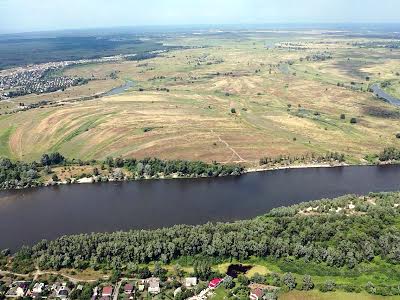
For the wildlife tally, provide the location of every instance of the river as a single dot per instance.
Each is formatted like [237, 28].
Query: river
[379, 92]
[27, 216]
[118, 90]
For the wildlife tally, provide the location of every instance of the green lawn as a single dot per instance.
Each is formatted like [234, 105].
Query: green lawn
[316, 295]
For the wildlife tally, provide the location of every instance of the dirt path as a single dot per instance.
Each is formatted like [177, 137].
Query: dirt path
[234, 153]
[38, 273]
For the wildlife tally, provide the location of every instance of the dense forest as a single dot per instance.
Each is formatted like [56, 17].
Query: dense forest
[362, 229]
[24, 51]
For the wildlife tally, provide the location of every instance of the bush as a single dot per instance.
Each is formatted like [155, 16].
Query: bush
[308, 284]
[289, 280]
[353, 121]
[328, 286]
[370, 288]
[233, 110]
[398, 135]
[342, 116]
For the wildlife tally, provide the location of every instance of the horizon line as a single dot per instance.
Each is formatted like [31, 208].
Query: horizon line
[201, 25]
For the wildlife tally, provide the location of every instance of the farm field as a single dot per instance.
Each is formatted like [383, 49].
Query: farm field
[228, 97]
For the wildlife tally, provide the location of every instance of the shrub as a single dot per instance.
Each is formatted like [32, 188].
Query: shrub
[328, 286]
[342, 116]
[307, 283]
[233, 110]
[289, 280]
[353, 121]
[54, 177]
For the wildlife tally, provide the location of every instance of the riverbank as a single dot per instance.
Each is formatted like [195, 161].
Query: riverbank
[104, 179]
[301, 166]
[149, 204]
[267, 245]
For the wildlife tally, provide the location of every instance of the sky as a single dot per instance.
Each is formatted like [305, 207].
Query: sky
[39, 15]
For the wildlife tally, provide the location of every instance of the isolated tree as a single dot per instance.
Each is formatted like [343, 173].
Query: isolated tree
[54, 177]
[96, 171]
[228, 283]
[179, 272]
[202, 269]
[289, 280]
[307, 283]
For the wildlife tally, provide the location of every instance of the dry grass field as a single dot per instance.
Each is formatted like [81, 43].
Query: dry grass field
[236, 98]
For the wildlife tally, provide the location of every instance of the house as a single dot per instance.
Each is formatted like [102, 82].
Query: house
[128, 289]
[19, 289]
[95, 293]
[190, 281]
[177, 291]
[258, 291]
[63, 292]
[107, 291]
[38, 287]
[141, 287]
[215, 283]
[256, 294]
[154, 285]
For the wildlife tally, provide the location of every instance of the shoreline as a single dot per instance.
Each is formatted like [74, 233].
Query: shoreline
[94, 180]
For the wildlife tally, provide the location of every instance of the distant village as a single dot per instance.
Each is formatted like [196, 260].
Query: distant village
[38, 79]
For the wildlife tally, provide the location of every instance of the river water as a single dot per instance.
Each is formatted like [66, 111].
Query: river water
[118, 90]
[27, 216]
[379, 92]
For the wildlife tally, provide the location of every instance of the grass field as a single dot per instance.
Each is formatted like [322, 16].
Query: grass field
[230, 101]
[316, 295]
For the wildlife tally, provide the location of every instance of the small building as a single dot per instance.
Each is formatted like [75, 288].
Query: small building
[38, 287]
[95, 293]
[128, 289]
[154, 285]
[37, 290]
[141, 287]
[177, 291]
[63, 293]
[190, 281]
[215, 283]
[107, 291]
[258, 291]
[18, 290]
[256, 294]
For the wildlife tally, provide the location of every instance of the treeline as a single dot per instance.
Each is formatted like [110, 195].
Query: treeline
[306, 158]
[17, 174]
[336, 239]
[389, 154]
[154, 166]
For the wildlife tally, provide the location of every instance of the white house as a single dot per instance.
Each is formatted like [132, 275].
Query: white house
[154, 285]
[190, 281]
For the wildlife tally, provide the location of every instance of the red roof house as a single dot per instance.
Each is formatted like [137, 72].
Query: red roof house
[256, 294]
[128, 288]
[107, 291]
[214, 283]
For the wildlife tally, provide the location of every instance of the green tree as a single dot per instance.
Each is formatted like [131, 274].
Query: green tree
[307, 283]
[289, 280]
